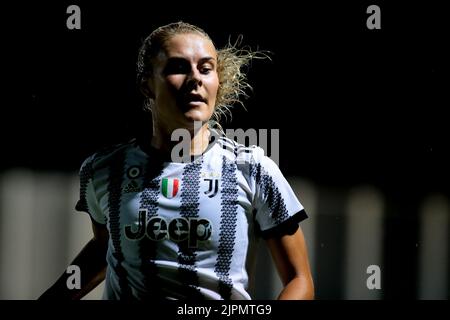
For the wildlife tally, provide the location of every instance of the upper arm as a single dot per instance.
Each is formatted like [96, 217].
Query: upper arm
[88, 201]
[290, 255]
[101, 234]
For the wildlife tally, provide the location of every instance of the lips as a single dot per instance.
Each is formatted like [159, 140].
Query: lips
[194, 97]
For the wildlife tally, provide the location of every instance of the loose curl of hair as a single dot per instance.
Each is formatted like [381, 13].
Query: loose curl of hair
[233, 83]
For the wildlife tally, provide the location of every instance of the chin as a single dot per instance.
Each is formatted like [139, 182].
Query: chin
[195, 115]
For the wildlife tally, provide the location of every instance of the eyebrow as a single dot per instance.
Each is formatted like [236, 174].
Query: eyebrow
[202, 60]
[205, 59]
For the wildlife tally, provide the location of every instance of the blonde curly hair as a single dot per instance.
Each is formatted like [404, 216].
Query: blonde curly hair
[233, 83]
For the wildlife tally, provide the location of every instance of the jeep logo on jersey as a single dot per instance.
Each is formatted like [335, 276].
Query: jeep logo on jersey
[177, 229]
[169, 187]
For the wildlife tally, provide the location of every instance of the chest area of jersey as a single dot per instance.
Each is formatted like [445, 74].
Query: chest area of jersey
[190, 205]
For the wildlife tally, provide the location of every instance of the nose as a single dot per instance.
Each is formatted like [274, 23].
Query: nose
[194, 79]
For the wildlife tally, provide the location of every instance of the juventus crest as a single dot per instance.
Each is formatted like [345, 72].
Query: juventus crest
[213, 187]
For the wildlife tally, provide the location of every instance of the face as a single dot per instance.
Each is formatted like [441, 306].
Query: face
[185, 81]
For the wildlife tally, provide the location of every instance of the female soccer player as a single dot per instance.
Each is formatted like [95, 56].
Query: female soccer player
[167, 228]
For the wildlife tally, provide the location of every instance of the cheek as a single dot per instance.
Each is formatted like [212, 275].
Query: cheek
[174, 83]
[213, 86]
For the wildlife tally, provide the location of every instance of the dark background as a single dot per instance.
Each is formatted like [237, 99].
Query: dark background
[353, 105]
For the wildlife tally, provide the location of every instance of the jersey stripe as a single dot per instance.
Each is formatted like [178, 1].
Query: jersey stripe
[270, 192]
[86, 174]
[190, 196]
[228, 223]
[117, 171]
[147, 247]
[227, 144]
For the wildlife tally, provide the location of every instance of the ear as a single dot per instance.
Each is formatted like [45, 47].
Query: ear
[147, 88]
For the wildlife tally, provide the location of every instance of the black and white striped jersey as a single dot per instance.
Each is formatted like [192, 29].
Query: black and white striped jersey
[185, 230]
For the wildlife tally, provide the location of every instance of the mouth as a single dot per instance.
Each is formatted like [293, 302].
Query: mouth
[194, 99]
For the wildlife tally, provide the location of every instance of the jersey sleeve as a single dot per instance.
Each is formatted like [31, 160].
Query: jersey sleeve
[88, 200]
[277, 209]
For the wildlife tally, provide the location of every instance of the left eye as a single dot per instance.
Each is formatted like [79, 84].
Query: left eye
[205, 70]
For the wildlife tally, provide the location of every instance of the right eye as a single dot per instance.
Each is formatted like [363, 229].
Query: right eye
[176, 67]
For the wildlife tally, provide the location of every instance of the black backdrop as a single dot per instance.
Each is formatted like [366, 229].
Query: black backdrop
[355, 104]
